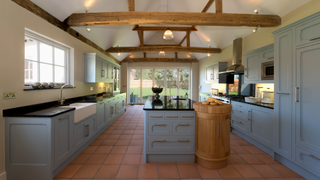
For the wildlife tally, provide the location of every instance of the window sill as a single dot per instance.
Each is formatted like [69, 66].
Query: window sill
[46, 89]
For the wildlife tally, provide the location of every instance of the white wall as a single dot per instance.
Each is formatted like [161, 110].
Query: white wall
[14, 20]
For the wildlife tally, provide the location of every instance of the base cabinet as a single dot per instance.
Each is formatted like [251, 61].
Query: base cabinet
[84, 130]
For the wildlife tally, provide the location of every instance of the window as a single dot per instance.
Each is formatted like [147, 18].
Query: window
[45, 60]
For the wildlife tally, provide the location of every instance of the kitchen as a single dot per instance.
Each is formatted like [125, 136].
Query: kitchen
[17, 18]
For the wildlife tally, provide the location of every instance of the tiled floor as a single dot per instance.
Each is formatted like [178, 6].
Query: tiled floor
[118, 154]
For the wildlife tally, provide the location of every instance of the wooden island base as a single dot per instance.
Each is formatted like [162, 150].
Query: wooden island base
[212, 135]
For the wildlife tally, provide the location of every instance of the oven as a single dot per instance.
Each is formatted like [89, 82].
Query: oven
[267, 70]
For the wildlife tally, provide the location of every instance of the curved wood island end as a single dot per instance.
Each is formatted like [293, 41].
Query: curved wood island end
[212, 135]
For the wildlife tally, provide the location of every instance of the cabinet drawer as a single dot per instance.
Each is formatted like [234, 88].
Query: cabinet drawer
[159, 128]
[183, 129]
[177, 145]
[155, 116]
[309, 32]
[187, 116]
[238, 105]
[238, 123]
[308, 160]
[240, 113]
[171, 115]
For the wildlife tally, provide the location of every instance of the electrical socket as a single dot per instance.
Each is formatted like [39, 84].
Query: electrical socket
[9, 95]
[91, 88]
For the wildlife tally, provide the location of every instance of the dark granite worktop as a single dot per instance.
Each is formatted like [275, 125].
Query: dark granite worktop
[167, 103]
[51, 109]
[270, 106]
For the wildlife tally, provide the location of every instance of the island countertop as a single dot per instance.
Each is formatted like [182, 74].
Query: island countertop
[169, 103]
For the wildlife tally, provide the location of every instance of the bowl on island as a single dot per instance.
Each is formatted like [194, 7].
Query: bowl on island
[157, 90]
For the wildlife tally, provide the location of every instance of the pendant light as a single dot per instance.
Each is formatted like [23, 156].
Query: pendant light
[168, 35]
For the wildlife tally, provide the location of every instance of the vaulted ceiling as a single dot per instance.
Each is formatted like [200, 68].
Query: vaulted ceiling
[215, 36]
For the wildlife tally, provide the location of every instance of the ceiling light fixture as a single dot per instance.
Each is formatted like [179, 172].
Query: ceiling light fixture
[162, 53]
[256, 11]
[87, 28]
[256, 29]
[208, 52]
[168, 35]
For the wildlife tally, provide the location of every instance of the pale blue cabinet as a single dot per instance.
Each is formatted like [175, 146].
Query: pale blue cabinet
[252, 68]
[212, 71]
[101, 115]
[84, 130]
[63, 133]
[239, 118]
[308, 32]
[169, 136]
[283, 87]
[253, 64]
[261, 125]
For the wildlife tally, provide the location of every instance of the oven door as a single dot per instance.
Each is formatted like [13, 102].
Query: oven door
[267, 71]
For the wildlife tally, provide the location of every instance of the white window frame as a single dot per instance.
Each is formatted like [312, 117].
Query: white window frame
[55, 44]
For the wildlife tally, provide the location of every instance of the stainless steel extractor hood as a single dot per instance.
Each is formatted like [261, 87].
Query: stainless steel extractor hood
[237, 67]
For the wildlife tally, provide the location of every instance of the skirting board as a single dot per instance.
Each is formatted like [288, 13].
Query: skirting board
[3, 176]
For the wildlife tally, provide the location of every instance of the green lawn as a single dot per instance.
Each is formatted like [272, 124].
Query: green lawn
[148, 91]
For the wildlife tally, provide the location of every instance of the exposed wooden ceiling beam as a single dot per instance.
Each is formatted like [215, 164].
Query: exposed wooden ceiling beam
[150, 28]
[131, 5]
[185, 37]
[173, 18]
[205, 9]
[188, 38]
[163, 48]
[140, 33]
[33, 8]
[159, 60]
[218, 6]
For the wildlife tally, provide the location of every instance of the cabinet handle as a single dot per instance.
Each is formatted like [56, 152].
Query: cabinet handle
[248, 115]
[283, 93]
[188, 116]
[183, 140]
[159, 140]
[156, 116]
[111, 110]
[103, 73]
[239, 122]
[159, 124]
[314, 39]
[314, 156]
[101, 103]
[297, 91]
[64, 117]
[183, 124]
[87, 130]
[271, 58]
[171, 116]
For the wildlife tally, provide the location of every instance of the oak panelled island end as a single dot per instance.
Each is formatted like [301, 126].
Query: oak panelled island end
[212, 135]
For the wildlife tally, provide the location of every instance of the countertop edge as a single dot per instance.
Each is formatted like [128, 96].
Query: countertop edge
[272, 108]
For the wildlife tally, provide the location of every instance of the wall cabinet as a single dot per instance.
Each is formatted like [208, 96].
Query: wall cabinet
[212, 71]
[97, 68]
[297, 51]
[252, 64]
[256, 122]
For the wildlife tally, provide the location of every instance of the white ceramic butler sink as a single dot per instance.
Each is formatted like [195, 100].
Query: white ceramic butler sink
[83, 110]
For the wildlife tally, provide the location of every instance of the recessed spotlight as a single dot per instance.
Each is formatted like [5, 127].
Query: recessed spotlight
[256, 11]
[87, 28]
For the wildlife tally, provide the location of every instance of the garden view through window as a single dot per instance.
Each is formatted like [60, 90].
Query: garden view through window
[142, 80]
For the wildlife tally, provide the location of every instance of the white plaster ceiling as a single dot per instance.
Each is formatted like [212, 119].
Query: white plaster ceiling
[220, 37]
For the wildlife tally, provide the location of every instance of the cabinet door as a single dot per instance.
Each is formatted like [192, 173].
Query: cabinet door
[63, 126]
[98, 70]
[101, 120]
[307, 97]
[109, 71]
[108, 111]
[308, 32]
[261, 125]
[267, 55]
[252, 69]
[209, 73]
[215, 73]
[104, 72]
[283, 93]
[83, 131]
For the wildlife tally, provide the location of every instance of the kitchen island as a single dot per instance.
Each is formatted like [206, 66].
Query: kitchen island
[169, 133]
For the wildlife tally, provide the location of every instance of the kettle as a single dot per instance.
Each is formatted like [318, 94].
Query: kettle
[267, 97]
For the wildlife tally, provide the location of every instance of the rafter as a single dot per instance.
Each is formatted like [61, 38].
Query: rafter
[188, 38]
[163, 48]
[173, 18]
[140, 33]
[131, 5]
[205, 9]
[185, 37]
[218, 6]
[159, 60]
[152, 28]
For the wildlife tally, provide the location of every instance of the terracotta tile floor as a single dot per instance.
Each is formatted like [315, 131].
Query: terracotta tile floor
[118, 154]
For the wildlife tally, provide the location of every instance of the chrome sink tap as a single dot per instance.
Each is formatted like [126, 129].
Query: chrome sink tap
[173, 85]
[61, 100]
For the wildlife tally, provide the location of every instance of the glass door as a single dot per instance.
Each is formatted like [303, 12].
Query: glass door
[184, 84]
[147, 84]
[135, 86]
[159, 79]
[172, 77]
